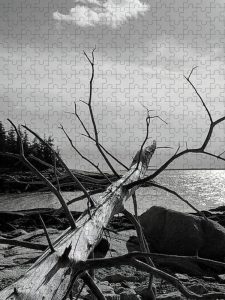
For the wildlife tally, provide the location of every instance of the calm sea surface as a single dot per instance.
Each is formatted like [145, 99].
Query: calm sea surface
[203, 188]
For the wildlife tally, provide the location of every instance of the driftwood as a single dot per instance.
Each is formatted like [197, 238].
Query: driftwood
[54, 273]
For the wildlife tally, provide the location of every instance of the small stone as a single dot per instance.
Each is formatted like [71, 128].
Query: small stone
[106, 289]
[222, 277]
[104, 282]
[171, 296]
[119, 289]
[129, 294]
[182, 277]
[112, 296]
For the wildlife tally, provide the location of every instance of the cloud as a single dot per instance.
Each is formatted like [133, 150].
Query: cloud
[111, 13]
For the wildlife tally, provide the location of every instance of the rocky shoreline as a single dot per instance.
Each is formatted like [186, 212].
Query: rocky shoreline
[123, 283]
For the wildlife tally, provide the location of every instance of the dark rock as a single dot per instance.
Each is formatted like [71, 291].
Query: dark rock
[198, 289]
[133, 244]
[172, 232]
[101, 249]
[120, 278]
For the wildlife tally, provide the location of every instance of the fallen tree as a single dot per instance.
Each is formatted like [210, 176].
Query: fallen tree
[54, 273]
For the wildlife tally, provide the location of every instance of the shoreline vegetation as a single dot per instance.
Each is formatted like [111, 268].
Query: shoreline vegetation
[26, 181]
[14, 181]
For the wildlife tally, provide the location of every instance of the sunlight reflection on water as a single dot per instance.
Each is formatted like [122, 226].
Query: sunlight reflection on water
[203, 188]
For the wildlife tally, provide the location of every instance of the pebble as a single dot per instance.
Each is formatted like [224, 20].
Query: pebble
[129, 294]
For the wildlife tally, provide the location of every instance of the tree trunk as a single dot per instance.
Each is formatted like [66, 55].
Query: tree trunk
[53, 274]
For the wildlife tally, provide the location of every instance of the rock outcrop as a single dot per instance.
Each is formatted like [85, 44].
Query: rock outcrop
[172, 232]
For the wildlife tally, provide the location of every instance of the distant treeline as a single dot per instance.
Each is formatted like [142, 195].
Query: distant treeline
[9, 143]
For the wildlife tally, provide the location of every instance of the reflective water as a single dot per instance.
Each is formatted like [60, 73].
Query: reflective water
[202, 188]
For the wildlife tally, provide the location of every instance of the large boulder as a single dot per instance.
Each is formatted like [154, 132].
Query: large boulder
[172, 232]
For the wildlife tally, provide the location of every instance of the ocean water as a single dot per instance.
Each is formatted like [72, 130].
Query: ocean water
[204, 189]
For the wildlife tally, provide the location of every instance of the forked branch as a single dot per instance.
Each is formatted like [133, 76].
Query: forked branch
[143, 244]
[130, 259]
[199, 150]
[91, 61]
[88, 135]
[88, 280]
[84, 157]
[74, 178]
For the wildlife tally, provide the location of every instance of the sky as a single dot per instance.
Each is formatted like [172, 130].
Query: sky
[143, 50]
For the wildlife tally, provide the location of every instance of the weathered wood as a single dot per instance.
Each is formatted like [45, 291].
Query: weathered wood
[52, 275]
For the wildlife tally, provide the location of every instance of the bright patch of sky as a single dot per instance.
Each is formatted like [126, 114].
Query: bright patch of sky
[143, 49]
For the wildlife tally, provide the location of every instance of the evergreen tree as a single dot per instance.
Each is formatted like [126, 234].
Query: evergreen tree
[47, 153]
[11, 141]
[2, 138]
[26, 143]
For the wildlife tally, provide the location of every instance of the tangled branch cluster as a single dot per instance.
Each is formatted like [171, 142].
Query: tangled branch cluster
[81, 268]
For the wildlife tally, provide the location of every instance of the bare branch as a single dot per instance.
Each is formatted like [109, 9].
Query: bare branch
[176, 283]
[92, 115]
[23, 244]
[91, 138]
[55, 172]
[43, 163]
[163, 147]
[93, 286]
[47, 235]
[221, 153]
[178, 148]
[64, 165]
[80, 120]
[135, 205]
[84, 157]
[96, 191]
[142, 241]
[148, 119]
[158, 257]
[158, 117]
[198, 150]
[197, 93]
[129, 259]
[191, 72]
[153, 183]
[42, 177]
